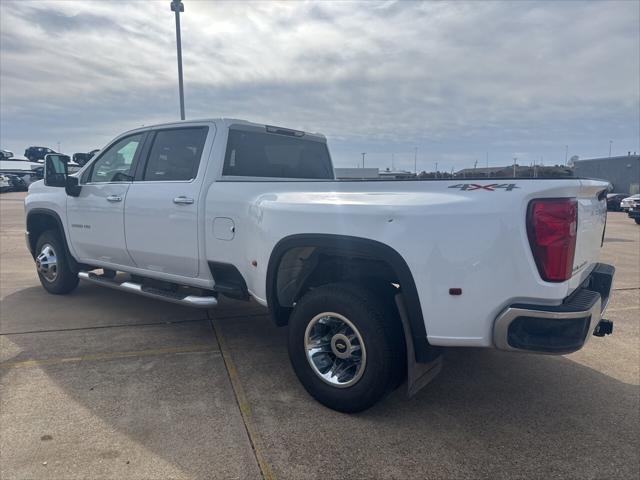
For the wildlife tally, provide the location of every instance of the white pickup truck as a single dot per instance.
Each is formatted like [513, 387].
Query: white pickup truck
[372, 277]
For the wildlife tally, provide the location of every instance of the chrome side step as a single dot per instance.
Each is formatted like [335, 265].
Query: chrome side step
[188, 300]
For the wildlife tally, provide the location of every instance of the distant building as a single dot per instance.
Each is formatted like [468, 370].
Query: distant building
[396, 174]
[371, 173]
[621, 172]
[356, 173]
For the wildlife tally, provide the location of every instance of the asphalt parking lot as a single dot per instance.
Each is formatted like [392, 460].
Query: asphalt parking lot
[101, 384]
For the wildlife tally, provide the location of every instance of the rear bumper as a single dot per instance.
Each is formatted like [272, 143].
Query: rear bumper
[556, 329]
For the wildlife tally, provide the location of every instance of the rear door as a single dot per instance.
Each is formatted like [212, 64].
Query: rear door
[161, 210]
[96, 217]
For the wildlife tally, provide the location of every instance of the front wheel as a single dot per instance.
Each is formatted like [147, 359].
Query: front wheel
[637, 219]
[346, 346]
[52, 265]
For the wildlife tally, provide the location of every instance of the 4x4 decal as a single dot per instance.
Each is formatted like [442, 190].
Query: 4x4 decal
[492, 187]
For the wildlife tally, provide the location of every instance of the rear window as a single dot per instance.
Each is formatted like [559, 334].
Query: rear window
[256, 154]
[175, 154]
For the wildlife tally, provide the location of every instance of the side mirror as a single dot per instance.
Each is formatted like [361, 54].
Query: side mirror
[55, 171]
[72, 187]
[56, 174]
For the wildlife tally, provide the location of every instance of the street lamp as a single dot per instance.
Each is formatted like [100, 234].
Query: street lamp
[177, 7]
[610, 143]
[363, 154]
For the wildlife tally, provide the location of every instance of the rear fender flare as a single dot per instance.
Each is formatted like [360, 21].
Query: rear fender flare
[360, 247]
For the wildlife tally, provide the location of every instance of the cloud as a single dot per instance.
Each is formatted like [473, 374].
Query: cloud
[455, 79]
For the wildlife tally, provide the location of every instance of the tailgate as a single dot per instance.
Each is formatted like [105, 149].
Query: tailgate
[592, 217]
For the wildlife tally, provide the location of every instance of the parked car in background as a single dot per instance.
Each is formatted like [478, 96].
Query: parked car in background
[82, 158]
[28, 171]
[625, 204]
[613, 201]
[5, 186]
[16, 183]
[34, 154]
[5, 154]
[634, 208]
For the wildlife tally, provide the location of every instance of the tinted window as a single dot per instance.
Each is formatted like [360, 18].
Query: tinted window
[256, 154]
[175, 154]
[115, 164]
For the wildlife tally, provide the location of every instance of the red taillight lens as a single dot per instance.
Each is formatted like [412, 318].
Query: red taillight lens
[551, 225]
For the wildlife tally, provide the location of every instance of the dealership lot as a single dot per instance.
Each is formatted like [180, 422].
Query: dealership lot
[104, 384]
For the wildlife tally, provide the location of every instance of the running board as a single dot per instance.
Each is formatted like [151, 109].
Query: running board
[188, 300]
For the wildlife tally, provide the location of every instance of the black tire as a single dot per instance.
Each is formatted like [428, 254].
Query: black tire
[376, 321]
[637, 220]
[63, 280]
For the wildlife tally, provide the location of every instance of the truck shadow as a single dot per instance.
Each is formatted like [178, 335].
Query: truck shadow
[488, 414]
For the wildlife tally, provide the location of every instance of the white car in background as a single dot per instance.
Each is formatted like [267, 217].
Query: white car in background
[626, 203]
[5, 186]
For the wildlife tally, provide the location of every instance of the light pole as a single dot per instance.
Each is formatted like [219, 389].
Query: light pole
[610, 143]
[415, 160]
[177, 7]
[566, 153]
[363, 154]
[436, 169]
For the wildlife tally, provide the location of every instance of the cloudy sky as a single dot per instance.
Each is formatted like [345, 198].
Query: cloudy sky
[459, 81]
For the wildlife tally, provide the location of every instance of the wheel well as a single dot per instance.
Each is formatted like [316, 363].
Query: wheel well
[37, 224]
[301, 262]
[303, 268]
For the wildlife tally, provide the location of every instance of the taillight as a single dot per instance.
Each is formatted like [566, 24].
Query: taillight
[551, 226]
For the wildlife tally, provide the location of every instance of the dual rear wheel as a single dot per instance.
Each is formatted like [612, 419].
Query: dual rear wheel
[346, 345]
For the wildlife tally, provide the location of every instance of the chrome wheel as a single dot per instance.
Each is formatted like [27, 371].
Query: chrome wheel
[47, 263]
[335, 349]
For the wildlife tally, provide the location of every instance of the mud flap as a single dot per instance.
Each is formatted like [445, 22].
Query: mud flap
[418, 374]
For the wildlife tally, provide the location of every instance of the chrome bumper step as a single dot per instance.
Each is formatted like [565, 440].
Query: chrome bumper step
[196, 301]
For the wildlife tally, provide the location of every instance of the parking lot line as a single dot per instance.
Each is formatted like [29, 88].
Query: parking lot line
[111, 356]
[98, 327]
[243, 403]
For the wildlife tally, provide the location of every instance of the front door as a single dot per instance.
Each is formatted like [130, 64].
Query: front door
[96, 217]
[161, 210]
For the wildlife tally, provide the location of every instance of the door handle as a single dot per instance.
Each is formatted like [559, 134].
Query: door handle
[114, 198]
[182, 200]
